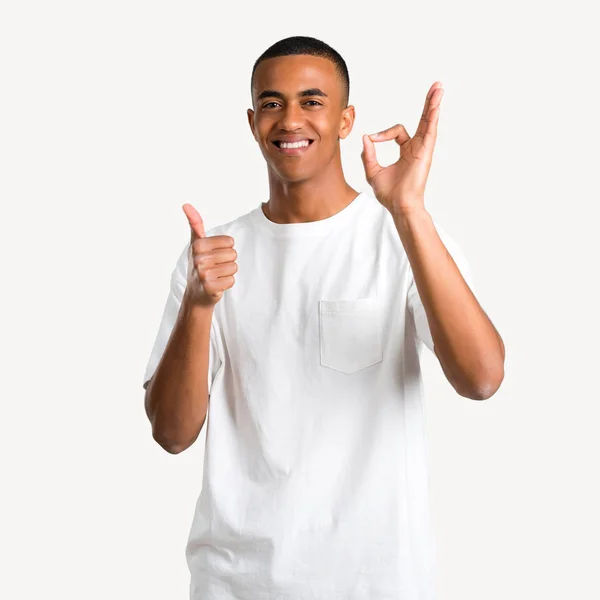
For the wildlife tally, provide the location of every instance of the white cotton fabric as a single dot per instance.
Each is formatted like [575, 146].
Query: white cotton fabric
[315, 472]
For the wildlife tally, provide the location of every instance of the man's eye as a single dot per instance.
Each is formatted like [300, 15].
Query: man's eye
[314, 103]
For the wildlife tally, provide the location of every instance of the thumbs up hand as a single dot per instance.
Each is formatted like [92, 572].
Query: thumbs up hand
[211, 262]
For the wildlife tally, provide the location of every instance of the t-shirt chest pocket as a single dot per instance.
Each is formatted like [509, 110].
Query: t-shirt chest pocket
[350, 334]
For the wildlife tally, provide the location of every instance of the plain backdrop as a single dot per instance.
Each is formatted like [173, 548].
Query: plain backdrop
[115, 113]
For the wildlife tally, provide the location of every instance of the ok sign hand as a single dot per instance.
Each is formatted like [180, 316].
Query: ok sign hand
[400, 187]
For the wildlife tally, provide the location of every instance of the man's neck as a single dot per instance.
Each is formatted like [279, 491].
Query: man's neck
[307, 201]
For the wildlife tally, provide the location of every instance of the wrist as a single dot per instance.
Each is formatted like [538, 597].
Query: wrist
[192, 308]
[408, 218]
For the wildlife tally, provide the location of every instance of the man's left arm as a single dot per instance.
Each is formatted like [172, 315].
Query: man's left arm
[467, 344]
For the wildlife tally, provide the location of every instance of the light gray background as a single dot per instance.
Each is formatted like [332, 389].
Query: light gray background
[116, 113]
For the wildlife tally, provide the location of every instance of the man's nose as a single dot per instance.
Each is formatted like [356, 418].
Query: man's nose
[292, 117]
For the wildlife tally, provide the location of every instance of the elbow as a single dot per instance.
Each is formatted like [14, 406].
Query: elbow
[487, 389]
[170, 445]
[478, 393]
[168, 431]
[175, 442]
[174, 448]
[479, 386]
[473, 387]
[481, 383]
[492, 382]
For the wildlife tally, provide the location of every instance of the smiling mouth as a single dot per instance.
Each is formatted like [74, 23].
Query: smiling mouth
[278, 143]
[293, 149]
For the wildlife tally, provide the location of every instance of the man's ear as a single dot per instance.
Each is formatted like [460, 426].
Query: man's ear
[251, 123]
[347, 122]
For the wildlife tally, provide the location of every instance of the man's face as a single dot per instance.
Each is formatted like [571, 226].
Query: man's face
[298, 99]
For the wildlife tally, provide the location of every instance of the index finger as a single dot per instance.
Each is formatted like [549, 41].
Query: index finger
[427, 127]
[213, 242]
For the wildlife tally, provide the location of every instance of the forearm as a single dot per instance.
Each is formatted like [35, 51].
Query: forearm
[177, 396]
[466, 342]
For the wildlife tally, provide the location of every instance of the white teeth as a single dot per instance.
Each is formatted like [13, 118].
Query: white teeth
[301, 144]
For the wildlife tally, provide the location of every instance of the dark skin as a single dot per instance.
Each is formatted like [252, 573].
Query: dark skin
[303, 188]
[311, 186]
[306, 98]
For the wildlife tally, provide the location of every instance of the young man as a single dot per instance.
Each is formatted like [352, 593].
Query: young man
[307, 337]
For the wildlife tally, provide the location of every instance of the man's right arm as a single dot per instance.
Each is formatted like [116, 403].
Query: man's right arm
[176, 399]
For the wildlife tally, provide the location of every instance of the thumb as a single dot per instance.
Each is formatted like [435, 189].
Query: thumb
[369, 158]
[195, 220]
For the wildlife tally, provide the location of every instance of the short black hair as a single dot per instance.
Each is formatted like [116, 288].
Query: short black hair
[300, 44]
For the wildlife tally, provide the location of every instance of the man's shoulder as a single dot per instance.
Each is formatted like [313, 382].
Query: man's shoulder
[237, 225]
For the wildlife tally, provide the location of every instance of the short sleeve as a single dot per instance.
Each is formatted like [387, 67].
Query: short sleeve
[414, 302]
[169, 317]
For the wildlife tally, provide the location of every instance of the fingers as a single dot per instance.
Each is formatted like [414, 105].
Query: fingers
[214, 276]
[195, 221]
[369, 158]
[213, 242]
[215, 256]
[427, 128]
[211, 274]
[219, 285]
[397, 133]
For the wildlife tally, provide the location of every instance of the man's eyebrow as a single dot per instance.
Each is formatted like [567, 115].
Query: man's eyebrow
[276, 94]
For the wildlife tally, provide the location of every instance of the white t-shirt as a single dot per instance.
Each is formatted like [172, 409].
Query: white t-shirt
[315, 472]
